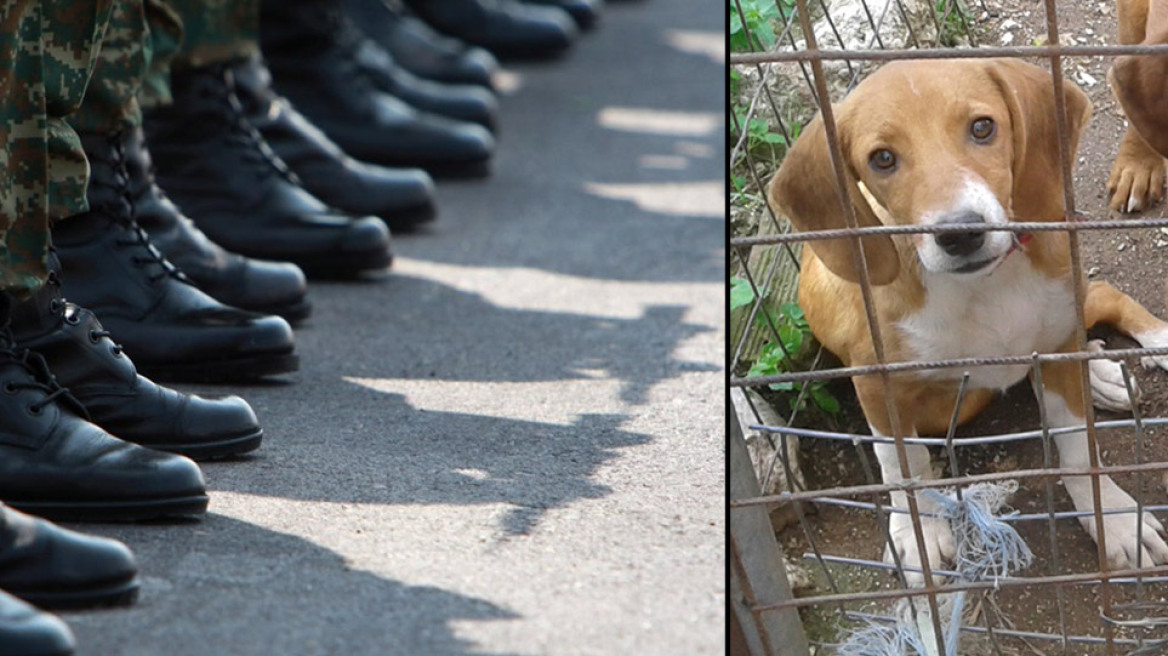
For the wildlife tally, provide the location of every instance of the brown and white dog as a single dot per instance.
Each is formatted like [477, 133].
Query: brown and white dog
[963, 141]
[1141, 84]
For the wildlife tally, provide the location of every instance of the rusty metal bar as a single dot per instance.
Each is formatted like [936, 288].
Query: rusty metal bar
[987, 52]
[1078, 285]
[940, 441]
[933, 483]
[956, 363]
[877, 595]
[939, 228]
[1010, 519]
[837, 162]
[1009, 633]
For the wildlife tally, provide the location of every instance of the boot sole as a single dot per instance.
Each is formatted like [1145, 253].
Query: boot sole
[291, 312]
[122, 593]
[214, 450]
[223, 371]
[115, 511]
[455, 170]
[341, 266]
[407, 220]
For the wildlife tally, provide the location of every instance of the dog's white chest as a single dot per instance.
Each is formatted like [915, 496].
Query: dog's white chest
[1016, 310]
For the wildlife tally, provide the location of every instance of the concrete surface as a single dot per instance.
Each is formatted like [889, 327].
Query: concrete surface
[514, 444]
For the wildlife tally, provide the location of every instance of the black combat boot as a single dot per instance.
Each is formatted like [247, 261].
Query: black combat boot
[216, 167]
[172, 330]
[56, 568]
[256, 285]
[584, 12]
[419, 48]
[84, 359]
[338, 46]
[403, 198]
[26, 631]
[56, 464]
[509, 29]
[313, 55]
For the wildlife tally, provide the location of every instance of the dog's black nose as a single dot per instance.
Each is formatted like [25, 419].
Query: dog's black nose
[958, 244]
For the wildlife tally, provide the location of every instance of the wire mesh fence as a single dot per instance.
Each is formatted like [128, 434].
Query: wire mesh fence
[1070, 597]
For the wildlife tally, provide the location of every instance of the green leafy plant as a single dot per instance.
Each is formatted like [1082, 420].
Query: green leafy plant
[741, 294]
[756, 19]
[953, 28]
[761, 140]
[777, 358]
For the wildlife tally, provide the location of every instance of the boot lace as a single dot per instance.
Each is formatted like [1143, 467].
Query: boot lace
[42, 380]
[60, 307]
[118, 205]
[240, 133]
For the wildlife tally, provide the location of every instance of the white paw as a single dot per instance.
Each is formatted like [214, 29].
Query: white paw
[938, 544]
[1122, 530]
[1107, 388]
[1154, 339]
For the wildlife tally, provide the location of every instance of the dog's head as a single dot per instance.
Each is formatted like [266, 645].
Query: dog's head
[943, 141]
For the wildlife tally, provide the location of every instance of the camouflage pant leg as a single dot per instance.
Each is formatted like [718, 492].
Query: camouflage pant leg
[111, 102]
[216, 31]
[47, 53]
[210, 31]
[166, 36]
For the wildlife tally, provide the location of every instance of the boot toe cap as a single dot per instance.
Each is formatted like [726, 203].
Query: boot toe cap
[213, 419]
[270, 283]
[366, 234]
[59, 559]
[25, 631]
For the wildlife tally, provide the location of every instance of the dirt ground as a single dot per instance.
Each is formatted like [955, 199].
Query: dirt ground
[1129, 259]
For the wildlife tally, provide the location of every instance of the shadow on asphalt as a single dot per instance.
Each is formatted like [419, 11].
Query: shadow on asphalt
[400, 455]
[537, 211]
[442, 333]
[252, 577]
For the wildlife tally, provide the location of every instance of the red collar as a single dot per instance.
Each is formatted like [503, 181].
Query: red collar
[1021, 240]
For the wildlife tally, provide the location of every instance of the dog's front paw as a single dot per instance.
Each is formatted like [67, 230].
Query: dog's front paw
[1125, 536]
[1137, 177]
[939, 545]
[1154, 339]
[1107, 388]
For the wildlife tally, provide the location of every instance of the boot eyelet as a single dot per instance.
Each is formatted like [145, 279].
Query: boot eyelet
[9, 388]
[116, 350]
[94, 337]
[35, 410]
[72, 319]
[55, 306]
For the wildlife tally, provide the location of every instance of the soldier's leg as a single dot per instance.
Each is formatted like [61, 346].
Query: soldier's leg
[171, 329]
[219, 35]
[44, 73]
[222, 172]
[110, 269]
[51, 461]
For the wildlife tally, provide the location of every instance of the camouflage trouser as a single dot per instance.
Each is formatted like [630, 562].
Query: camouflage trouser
[210, 32]
[47, 54]
[86, 60]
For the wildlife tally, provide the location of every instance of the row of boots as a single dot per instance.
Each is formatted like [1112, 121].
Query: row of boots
[296, 165]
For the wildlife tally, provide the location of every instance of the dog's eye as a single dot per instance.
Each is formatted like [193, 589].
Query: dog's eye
[982, 129]
[882, 160]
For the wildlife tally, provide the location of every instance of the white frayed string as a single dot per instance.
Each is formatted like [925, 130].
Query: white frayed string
[986, 546]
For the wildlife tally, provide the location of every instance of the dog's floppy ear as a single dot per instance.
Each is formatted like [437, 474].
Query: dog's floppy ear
[805, 190]
[1038, 178]
[1141, 85]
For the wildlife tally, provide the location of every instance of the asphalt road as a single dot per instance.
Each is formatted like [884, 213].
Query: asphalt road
[514, 443]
